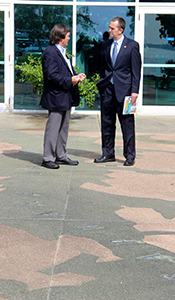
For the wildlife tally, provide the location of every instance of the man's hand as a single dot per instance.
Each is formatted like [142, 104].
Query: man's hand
[134, 98]
[78, 78]
[82, 76]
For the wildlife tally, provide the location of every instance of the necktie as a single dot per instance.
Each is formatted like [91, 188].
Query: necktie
[114, 52]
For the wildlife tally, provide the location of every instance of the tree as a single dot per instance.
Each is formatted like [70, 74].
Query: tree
[38, 20]
[167, 27]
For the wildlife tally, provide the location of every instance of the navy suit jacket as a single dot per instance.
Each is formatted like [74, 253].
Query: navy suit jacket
[126, 71]
[58, 93]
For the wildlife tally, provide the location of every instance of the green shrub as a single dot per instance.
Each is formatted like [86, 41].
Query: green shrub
[88, 90]
[31, 71]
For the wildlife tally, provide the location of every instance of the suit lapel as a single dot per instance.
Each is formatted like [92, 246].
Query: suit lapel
[61, 56]
[122, 51]
[108, 53]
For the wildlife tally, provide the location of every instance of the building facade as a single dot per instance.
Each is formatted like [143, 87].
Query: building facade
[25, 26]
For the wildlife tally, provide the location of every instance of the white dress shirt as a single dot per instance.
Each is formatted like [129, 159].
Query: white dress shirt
[63, 52]
[119, 42]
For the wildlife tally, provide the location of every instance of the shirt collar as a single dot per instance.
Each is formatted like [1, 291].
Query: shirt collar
[119, 42]
[62, 50]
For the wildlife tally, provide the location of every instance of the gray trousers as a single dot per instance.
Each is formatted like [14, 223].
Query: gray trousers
[56, 134]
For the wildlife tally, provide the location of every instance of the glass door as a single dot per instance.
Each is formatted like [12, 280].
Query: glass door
[6, 58]
[157, 32]
[1, 56]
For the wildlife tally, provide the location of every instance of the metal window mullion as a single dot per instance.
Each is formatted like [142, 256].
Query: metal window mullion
[74, 25]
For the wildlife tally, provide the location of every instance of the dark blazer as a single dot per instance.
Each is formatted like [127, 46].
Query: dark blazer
[58, 93]
[126, 72]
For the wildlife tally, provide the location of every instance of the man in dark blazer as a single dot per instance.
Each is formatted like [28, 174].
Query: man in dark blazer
[60, 93]
[119, 77]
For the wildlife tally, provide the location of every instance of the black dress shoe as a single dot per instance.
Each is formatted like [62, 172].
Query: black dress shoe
[129, 162]
[67, 161]
[104, 159]
[50, 164]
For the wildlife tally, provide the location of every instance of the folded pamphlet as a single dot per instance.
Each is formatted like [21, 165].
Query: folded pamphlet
[128, 107]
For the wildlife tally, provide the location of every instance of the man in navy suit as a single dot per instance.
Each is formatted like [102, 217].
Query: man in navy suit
[119, 77]
[60, 92]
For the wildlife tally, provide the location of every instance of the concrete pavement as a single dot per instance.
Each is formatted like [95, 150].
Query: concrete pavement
[92, 231]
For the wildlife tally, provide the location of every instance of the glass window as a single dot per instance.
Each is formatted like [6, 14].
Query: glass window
[92, 30]
[46, 0]
[159, 86]
[106, 1]
[1, 57]
[156, 1]
[33, 24]
[159, 60]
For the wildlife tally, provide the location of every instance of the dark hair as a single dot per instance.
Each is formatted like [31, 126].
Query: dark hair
[121, 22]
[57, 33]
[105, 35]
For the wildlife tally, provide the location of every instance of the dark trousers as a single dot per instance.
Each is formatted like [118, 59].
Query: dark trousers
[109, 108]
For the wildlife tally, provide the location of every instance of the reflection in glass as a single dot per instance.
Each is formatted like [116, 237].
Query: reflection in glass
[159, 38]
[159, 60]
[156, 1]
[33, 24]
[106, 0]
[92, 30]
[159, 86]
[48, 0]
[1, 57]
